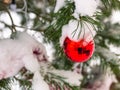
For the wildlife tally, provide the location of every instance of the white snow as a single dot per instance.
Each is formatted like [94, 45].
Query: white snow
[32, 15]
[19, 53]
[114, 49]
[1, 26]
[104, 82]
[72, 78]
[4, 17]
[86, 7]
[59, 5]
[13, 7]
[39, 83]
[6, 33]
[49, 46]
[106, 53]
[108, 80]
[82, 7]
[75, 32]
[115, 17]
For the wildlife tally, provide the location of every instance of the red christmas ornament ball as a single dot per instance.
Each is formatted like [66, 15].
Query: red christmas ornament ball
[79, 51]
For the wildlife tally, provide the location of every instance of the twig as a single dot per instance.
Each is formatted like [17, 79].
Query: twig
[28, 28]
[6, 9]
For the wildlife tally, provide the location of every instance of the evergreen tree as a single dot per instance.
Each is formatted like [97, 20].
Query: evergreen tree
[83, 35]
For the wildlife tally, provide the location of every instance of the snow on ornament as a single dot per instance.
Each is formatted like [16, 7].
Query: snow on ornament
[77, 41]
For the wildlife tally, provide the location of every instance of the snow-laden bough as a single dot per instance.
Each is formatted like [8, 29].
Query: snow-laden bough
[23, 51]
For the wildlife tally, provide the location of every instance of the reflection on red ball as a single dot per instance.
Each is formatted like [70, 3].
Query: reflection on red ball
[79, 51]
